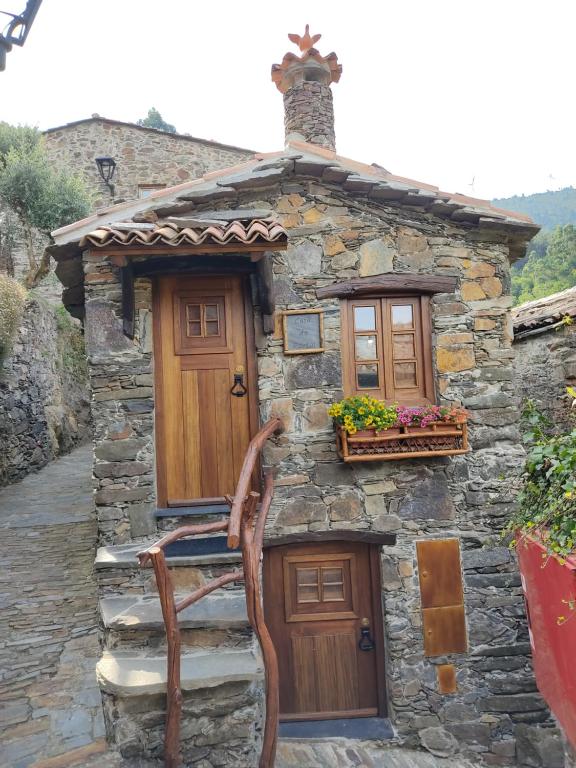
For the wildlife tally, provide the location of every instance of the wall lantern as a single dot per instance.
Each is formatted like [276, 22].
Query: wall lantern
[17, 29]
[106, 168]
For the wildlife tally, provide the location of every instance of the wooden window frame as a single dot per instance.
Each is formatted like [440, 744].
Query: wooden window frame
[384, 333]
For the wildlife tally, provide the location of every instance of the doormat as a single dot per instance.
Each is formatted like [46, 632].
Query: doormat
[348, 728]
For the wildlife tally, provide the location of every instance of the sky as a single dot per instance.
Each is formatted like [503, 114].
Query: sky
[474, 96]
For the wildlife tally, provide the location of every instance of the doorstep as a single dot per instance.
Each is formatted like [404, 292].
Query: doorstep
[361, 728]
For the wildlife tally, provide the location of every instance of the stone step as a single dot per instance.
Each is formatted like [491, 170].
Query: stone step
[127, 675]
[216, 611]
[202, 550]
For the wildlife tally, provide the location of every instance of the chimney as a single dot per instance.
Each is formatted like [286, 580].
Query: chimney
[305, 83]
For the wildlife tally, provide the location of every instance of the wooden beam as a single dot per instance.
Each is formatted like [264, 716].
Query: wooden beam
[127, 282]
[398, 282]
[161, 249]
[265, 284]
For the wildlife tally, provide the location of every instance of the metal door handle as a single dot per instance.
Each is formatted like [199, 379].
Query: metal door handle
[366, 643]
[238, 389]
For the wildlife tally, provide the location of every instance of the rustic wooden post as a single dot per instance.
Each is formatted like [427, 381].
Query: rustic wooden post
[173, 692]
[252, 536]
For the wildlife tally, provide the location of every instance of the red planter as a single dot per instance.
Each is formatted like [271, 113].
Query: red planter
[548, 588]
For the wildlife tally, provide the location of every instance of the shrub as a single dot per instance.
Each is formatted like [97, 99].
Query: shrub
[12, 301]
[547, 500]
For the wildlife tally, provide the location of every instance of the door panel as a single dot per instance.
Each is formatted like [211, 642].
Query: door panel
[202, 430]
[317, 598]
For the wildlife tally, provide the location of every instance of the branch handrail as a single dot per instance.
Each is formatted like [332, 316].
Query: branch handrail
[245, 529]
[272, 426]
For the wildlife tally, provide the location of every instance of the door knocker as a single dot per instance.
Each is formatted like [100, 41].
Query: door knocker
[366, 643]
[238, 389]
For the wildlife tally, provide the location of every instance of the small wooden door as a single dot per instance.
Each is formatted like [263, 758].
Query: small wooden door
[317, 599]
[202, 429]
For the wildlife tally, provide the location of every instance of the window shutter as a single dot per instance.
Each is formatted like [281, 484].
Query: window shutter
[443, 616]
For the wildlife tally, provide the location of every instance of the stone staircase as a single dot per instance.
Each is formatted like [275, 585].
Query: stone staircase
[221, 670]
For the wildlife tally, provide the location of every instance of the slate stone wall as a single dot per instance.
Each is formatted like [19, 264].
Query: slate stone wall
[336, 237]
[143, 156]
[545, 364]
[309, 114]
[44, 405]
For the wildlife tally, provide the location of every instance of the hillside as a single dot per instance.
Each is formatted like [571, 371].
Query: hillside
[549, 209]
[550, 262]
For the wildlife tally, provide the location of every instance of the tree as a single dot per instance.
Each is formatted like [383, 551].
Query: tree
[549, 272]
[154, 120]
[42, 196]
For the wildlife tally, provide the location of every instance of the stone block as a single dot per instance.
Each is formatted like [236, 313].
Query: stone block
[283, 409]
[142, 521]
[428, 500]
[347, 507]
[484, 324]
[522, 702]
[121, 469]
[375, 489]
[300, 511]
[344, 260]
[472, 291]
[333, 245]
[376, 258]
[455, 360]
[491, 286]
[438, 741]
[387, 523]
[119, 495]
[305, 258]
[333, 473]
[322, 370]
[103, 333]
[539, 747]
[316, 417]
[476, 269]
[447, 339]
[119, 450]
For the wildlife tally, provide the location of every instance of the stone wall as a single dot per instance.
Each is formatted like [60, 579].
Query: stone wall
[44, 404]
[143, 155]
[334, 237]
[545, 364]
[309, 114]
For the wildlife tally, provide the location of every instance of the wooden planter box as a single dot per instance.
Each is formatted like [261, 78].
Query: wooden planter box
[548, 586]
[437, 439]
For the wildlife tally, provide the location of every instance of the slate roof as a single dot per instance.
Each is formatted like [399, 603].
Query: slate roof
[542, 314]
[302, 159]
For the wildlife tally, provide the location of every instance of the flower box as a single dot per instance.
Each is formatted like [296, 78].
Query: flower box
[403, 442]
[549, 585]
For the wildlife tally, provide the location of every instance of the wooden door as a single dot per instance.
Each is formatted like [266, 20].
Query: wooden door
[317, 599]
[202, 429]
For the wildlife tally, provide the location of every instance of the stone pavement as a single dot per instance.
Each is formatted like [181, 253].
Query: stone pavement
[339, 753]
[49, 700]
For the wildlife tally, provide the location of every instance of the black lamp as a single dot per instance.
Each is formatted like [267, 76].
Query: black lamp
[106, 168]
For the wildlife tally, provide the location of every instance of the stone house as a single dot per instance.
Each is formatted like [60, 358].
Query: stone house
[545, 347]
[189, 292]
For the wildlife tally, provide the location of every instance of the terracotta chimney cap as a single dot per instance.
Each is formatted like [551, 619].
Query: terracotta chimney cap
[311, 66]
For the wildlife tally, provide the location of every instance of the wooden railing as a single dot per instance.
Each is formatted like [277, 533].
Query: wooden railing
[245, 528]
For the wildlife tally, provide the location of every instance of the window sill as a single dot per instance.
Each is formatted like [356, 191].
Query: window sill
[438, 439]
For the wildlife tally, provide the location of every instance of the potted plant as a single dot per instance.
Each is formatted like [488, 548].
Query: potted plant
[368, 429]
[544, 530]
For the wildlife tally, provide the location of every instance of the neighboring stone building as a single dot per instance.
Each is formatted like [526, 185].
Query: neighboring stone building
[545, 347]
[146, 158]
[185, 292]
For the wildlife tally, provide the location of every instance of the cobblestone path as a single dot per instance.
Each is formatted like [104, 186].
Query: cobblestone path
[49, 700]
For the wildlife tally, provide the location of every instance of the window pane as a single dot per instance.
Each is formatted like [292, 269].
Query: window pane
[403, 346]
[212, 328]
[192, 311]
[402, 316]
[365, 318]
[366, 348]
[307, 586]
[211, 312]
[405, 375]
[367, 376]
